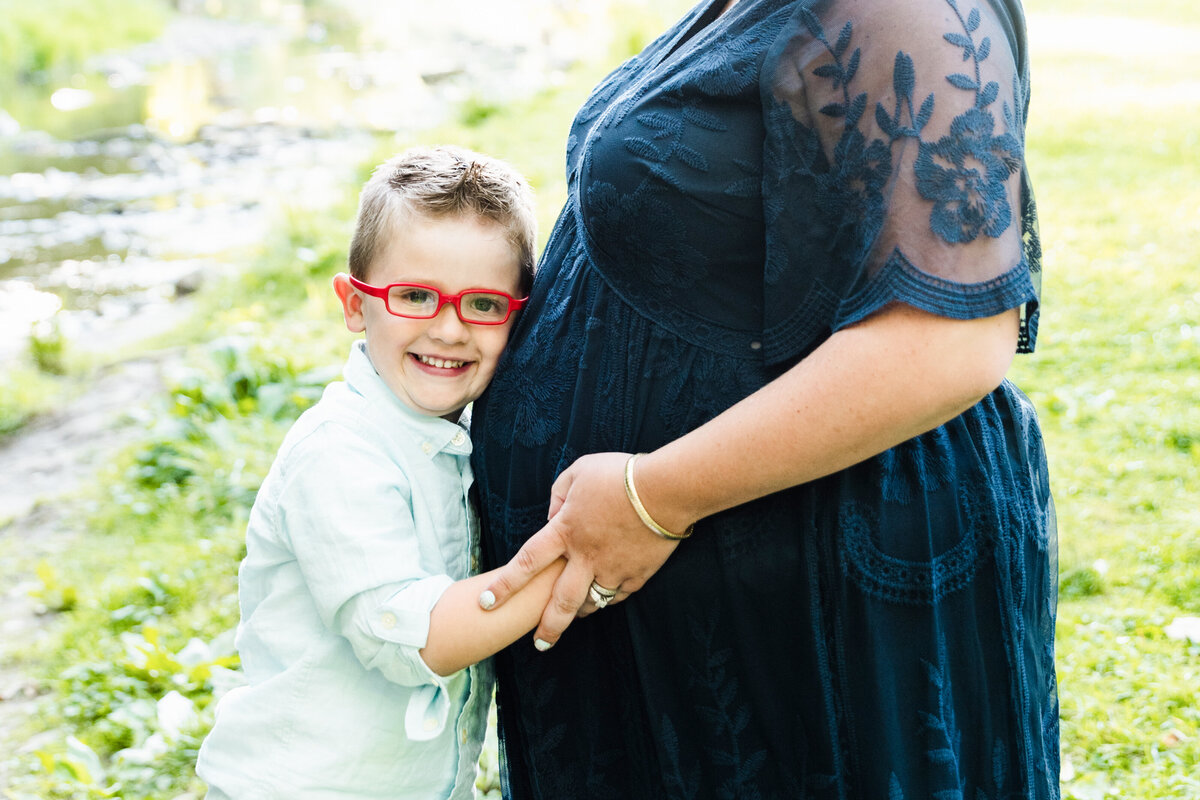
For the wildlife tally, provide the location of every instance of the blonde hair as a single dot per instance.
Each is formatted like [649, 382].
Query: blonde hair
[439, 182]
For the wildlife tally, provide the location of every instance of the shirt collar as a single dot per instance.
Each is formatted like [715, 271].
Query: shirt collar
[432, 434]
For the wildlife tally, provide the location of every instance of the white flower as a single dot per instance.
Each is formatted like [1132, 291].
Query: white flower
[1184, 628]
[176, 713]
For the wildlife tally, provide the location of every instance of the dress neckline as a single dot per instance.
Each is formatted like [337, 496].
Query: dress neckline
[701, 25]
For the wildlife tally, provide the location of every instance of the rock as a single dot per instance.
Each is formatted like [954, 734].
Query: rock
[191, 282]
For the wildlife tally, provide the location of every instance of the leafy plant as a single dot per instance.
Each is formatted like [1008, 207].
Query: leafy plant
[54, 594]
[48, 346]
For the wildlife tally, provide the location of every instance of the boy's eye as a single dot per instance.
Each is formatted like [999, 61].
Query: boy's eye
[485, 304]
[485, 307]
[412, 296]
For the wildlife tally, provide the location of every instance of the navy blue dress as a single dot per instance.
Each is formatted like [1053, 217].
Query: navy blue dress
[748, 185]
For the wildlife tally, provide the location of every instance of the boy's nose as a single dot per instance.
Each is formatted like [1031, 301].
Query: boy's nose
[447, 326]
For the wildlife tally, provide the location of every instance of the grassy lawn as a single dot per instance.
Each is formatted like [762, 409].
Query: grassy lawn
[146, 598]
[1112, 145]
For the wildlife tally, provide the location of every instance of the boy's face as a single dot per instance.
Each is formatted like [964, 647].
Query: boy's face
[435, 366]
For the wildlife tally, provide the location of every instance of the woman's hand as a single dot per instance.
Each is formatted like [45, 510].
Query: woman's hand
[593, 525]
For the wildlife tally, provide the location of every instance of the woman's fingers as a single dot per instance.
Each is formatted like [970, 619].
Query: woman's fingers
[569, 594]
[543, 549]
[591, 524]
[558, 493]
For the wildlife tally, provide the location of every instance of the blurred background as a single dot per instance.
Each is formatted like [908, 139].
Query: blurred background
[177, 186]
[131, 174]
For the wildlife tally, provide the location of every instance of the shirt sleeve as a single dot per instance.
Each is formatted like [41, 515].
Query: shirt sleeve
[894, 167]
[346, 512]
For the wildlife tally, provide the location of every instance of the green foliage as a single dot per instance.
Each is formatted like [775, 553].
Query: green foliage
[135, 665]
[147, 708]
[25, 392]
[1080, 582]
[143, 648]
[237, 384]
[59, 34]
[80, 766]
[476, 110]
[48, 346]
[243, 378]
[53, 594]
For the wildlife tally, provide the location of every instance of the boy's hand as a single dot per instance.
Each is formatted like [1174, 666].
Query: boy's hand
[591, 524]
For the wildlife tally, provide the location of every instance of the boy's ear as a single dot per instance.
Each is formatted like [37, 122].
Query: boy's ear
[351, 301]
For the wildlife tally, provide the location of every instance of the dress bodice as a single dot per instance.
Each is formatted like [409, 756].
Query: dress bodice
[667, 156]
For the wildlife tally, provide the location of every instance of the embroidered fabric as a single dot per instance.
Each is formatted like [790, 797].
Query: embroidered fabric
[735, 198]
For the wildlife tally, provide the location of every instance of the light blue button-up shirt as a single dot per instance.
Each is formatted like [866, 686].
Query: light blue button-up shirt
[361, 524]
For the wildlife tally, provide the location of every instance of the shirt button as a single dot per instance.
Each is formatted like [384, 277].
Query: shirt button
[430, 724]
[459, 438]
[463, 737]
[426, 448]
[388, 619]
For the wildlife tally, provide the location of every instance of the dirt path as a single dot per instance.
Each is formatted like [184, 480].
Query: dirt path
[41, 467]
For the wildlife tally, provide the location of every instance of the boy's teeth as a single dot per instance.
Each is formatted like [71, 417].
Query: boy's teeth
[440, 363]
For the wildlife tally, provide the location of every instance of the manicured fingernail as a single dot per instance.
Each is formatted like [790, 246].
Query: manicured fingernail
[487, 599]
[542, 644]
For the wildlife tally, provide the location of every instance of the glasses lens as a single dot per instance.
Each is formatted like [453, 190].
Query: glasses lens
[484, 307]
[412, 301]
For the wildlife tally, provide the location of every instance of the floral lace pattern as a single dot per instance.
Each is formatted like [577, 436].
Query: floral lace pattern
[746, 186]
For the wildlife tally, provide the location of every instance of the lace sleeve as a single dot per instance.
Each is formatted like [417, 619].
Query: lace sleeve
[894, 167]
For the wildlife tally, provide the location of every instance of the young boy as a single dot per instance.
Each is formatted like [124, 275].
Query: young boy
[361, 627]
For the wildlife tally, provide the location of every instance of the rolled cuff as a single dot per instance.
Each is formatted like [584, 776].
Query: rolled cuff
[402, 623]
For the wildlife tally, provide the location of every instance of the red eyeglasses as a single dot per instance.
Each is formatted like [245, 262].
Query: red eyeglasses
[417, 301]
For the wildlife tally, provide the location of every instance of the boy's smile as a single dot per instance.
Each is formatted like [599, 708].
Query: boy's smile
[435, 366]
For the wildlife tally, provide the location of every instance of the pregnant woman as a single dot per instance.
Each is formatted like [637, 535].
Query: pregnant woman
[758, 402]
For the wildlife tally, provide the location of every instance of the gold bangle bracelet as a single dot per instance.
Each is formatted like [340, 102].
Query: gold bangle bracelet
[643, 514]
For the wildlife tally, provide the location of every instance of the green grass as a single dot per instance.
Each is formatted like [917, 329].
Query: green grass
[1116, 379]
[1112, 144]
[54, 35]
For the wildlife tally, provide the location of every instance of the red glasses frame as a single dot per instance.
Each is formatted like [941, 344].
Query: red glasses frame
[382, 292]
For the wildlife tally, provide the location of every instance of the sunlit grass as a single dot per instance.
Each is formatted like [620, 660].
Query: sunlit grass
[1112, 144]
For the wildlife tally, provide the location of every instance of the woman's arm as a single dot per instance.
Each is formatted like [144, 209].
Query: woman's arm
[870, 387]
[461, 633]
[867, 388]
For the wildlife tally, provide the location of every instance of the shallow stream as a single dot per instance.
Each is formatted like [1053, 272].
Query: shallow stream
[154, 169]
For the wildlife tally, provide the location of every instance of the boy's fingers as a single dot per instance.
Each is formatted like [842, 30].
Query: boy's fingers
[568, 595]
[542, 550]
